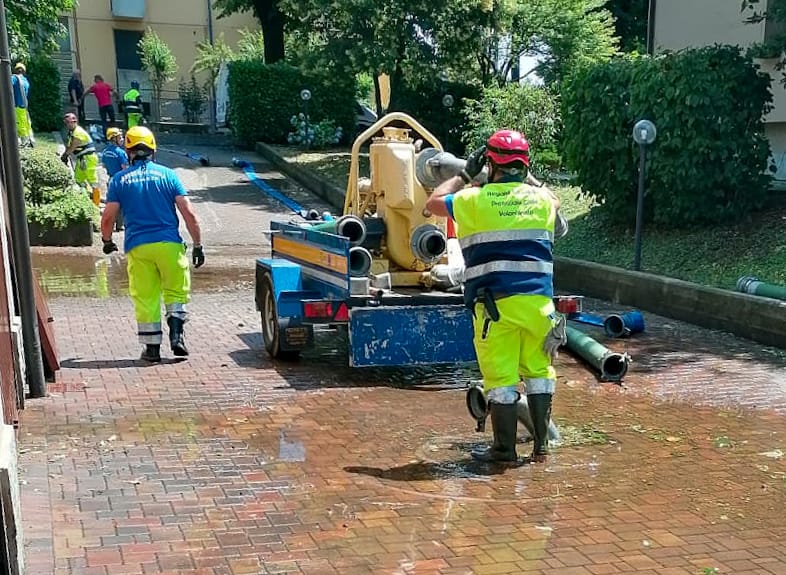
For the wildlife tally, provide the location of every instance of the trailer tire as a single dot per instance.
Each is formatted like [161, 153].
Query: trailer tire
[271, 332]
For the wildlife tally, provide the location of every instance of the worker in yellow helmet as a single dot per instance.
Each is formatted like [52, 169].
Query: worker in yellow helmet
[150, 196]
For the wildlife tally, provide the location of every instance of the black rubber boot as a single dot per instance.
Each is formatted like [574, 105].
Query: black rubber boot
[152, 353]
[504, 419]
[540, 412]
[176, 337]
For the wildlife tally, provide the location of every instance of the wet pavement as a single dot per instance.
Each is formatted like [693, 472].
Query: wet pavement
[229, 463]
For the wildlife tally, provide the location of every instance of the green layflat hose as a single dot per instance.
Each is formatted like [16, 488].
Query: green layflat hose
[752, 285]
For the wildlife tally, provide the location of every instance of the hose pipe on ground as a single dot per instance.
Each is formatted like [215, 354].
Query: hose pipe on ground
[611, 365]
[752, 285]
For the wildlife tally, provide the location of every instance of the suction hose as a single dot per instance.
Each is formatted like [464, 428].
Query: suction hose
[611, 365]
[752, 285]
[433, 167]
[359, 261]
[349, 226]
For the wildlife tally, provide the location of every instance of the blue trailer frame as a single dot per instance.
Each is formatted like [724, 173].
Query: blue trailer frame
[306, 282]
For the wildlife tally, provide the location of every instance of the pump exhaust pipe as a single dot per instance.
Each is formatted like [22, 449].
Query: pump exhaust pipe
[359, 262]
[349, 226]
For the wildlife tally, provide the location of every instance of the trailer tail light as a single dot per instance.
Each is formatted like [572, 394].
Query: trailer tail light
[568, 304]
[343, 313]
[318, 309]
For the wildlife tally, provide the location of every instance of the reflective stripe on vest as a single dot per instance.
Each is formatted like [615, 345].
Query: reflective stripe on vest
[473, 272]
[506, 232]
[505, 236]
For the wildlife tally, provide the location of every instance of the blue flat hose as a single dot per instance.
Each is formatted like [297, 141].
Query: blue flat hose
[248, 168]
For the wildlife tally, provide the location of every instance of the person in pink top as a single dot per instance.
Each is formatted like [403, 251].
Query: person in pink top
[103, 93]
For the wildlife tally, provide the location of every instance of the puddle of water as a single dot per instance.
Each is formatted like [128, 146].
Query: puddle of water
[105, 276]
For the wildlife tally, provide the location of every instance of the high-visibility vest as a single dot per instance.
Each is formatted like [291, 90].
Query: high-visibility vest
[130, 103]
[86, 142]
[506, 232]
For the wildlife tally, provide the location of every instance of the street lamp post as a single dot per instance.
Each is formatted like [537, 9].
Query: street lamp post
[305, 95]
[644, 134]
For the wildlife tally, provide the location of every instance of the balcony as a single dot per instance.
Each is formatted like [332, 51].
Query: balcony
[128, 9]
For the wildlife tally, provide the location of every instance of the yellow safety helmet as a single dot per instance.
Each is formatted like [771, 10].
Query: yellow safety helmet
[113, 133]
[20, 66]
[140, 137]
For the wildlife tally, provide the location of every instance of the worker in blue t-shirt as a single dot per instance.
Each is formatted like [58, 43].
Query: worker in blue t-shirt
[150, 195]
[115, 160]
[21, 89]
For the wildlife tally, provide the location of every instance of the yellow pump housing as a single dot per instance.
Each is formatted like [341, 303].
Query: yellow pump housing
[414, 240]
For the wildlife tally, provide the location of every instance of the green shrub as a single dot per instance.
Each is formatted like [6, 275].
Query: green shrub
[306, 134]
[709, 161]
[42, 170]
[529, 109]
[46, 100]
[193, 98]
[66, 207]
[424, 103]
[263, 99]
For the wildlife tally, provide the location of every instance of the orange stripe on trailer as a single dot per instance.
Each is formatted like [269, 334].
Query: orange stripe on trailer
[310, 254]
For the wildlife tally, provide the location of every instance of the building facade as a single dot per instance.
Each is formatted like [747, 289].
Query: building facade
[680, 24]
[103, 36]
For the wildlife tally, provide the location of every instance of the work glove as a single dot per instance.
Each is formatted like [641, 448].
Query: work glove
[556, 337]
[109, 246]
[198, 256]
[475, 162]
[64, 157]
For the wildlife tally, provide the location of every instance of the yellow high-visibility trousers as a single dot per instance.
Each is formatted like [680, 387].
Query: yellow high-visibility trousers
[154, 271]
[512, 348]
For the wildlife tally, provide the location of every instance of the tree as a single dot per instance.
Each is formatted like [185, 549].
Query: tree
[35, 24]
[560, 34]
[159, 63]
[400, 38]
[270, 17]
[775, 44]
[630, 22]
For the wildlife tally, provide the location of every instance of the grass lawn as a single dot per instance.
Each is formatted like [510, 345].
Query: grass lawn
[715, 256]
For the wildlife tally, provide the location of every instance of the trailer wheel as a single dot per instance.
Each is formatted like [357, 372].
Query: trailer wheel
[271, 332]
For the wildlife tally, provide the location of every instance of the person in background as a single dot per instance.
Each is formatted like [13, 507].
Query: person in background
[115, 160]
[21, 88]
[76, 91]
[132, 104]
[150, 196]
[81, 145]
[105, 95]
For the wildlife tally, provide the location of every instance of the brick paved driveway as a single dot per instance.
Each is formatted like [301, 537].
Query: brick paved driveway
[230, 464]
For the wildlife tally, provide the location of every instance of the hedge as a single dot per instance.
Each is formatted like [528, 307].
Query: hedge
[46, 100]
[424, 104]
[710, 159]
[263, 98]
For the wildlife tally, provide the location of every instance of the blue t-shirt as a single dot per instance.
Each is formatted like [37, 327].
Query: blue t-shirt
[20, 83]
[113, 158]
[146, 192]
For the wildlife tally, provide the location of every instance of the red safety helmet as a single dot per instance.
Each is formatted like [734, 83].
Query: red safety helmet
[508, 146]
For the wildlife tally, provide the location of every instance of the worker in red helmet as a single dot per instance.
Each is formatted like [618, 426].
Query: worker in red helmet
[506, 229]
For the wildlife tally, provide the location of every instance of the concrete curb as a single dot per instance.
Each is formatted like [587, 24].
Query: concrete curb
[330, 193]
[760, 319]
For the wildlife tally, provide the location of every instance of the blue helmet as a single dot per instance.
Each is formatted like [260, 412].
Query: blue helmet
[135, 85]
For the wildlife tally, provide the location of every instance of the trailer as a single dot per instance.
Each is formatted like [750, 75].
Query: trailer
[371, 271]
[307, 283]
